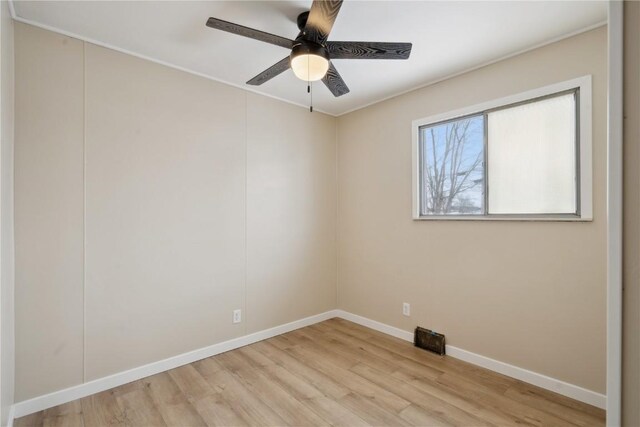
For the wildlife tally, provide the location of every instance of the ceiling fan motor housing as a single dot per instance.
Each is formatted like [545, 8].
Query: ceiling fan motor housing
[308, 48]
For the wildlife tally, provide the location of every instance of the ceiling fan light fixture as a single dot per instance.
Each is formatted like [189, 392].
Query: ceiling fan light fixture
[309, 62]
[311, 52]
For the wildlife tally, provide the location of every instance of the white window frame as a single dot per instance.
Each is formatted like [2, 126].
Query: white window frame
[585, 202]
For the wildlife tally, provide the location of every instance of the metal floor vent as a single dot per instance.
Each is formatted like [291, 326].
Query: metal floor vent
[429, 340]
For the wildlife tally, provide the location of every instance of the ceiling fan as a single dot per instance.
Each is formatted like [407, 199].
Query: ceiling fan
[311, 53]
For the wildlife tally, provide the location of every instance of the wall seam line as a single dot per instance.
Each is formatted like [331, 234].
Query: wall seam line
[84, 211]
[337, 219]
[13, 205]
[246, 208]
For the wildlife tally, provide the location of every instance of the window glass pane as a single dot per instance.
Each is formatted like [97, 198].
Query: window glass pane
[532, 158]
[452, 162]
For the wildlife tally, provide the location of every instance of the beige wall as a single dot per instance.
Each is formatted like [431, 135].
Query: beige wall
[631, 263]
[531, 294]
[152, 203]
[291, 208]
[165, 202]
[48, 209]
[7, 344]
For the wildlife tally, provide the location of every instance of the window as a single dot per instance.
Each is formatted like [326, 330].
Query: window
[523, 157]
[452, 167]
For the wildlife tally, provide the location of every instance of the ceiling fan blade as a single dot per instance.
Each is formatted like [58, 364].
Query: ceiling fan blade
[334, 82]
[276, 69]
[322, 15]
[368, 50]
[241, 30]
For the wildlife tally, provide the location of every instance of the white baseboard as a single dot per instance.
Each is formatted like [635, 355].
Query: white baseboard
[566, 389]
[40, 403]
[378, 326]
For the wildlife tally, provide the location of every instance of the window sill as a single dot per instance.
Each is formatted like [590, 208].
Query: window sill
[522, 218]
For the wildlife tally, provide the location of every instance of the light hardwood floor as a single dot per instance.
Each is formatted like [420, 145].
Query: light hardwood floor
[331, 373]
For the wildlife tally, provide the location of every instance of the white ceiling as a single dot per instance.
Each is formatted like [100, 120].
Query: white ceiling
[448, 37]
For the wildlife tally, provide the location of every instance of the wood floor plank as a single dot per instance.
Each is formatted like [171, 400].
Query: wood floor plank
[459, 398]
[102, 409]
[371, 411]
[495, 401]
[328, 409]
[292, 383]
[216, 411]
[138, 408]
[406, 350]
[191, 382]
[442, 410]
[172, 403]
[250, 409]
[383, 359]
[69, 420]
[330, 353]
[335, 413]
[332, 373]
[31, 420]
[128, 387]
[400, 359]
[207, 366]
[346, 348]
[540, 396]
[417, 416]
[355, 383]
[286, 341]
[65, 415]
[232, 362]
[291, 410]
[438, 407]
[254, 357]
[552, 406]
[316, 378]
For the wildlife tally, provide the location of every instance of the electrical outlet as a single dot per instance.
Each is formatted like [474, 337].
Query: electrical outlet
[406, 309]
[237, 316]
